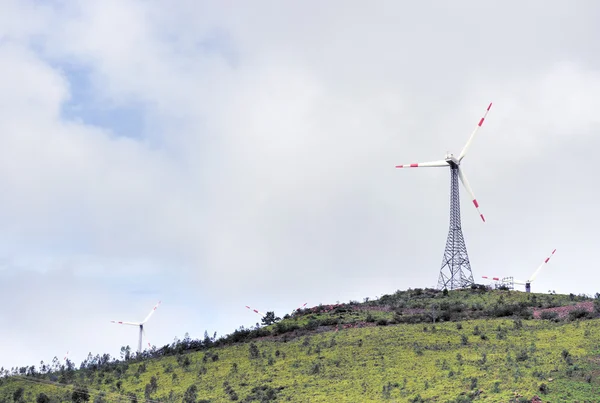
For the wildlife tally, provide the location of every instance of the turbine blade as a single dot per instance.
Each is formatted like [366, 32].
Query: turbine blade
[519, 282]
[252, 309]
[491, 278]
[466, 147]
[465, 182]
[441, 163]
[125, 323]
[151, 312]
[535, 273]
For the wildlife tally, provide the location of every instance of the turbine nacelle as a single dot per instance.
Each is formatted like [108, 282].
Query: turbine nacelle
[452, 160]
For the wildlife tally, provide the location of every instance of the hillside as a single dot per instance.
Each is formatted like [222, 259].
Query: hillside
[485, 345]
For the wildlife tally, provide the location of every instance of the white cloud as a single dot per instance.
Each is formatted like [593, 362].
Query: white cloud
[264, 175]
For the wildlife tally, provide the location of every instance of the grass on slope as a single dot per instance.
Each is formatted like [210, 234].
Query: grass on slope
[490, 359]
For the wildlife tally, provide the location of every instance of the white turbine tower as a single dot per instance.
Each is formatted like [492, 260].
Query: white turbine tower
[527, 283]
[140, 325]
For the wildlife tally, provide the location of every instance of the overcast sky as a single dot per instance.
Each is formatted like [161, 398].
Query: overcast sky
[218, 154]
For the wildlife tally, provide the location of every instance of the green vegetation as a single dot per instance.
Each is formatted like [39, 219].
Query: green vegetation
[412, 346]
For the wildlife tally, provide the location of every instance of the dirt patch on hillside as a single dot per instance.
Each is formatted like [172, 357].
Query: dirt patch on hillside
[563, 311]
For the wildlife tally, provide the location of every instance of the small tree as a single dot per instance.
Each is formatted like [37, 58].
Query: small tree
[254, 353]
[18, 395]
[100, 398]
[270, 318]
[80, 395]
[190, 395]
[42, 398]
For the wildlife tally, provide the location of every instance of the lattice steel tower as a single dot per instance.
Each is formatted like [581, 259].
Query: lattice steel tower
[456, 268]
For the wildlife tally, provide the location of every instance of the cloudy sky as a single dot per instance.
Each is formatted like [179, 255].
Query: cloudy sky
[218, 154]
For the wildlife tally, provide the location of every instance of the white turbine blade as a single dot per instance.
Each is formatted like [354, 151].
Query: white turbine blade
[519, 282]
[125, 323]
[466, 147]
[144, 333]
[465, 183]
[491, 278]
[441, 163]
[151, 312]
[535, 273]
[252, 309]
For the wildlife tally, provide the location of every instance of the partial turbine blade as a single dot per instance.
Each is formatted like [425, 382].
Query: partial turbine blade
[466, 147]
[151, 312]
[147, 341]
[441, 163]
[535, 273]
[465, 183]
[125, 323]
[252, 309]
[491, 278]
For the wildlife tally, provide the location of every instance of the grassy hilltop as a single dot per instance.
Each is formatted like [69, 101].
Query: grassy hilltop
[412, 346]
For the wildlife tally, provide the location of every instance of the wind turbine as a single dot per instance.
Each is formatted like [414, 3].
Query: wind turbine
[527, 283]
[140, 325]
[456, 268]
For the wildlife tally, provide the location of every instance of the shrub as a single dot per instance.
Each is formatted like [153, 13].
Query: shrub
[254, 353]
[578, 314]
[315, 368]
[522, 356]
[263, 394]
[418, 398]
[549, 315]
[566, 356]
[473, 383]
[42, 398]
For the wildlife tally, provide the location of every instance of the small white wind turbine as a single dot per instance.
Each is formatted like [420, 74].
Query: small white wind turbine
[140, 325]
[527, 283]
